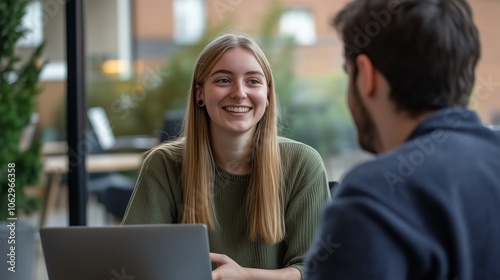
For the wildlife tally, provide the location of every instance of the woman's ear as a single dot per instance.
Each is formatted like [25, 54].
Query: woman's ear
[365, 79]
[199, 93]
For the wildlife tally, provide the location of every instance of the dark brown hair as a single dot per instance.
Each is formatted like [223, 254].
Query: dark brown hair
[426, 49]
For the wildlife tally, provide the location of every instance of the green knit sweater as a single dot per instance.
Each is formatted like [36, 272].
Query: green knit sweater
[157, 198]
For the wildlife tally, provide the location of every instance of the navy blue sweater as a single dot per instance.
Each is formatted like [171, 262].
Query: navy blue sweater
[427, 210]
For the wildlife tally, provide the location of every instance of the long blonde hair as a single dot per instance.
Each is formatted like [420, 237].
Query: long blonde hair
[264, 199]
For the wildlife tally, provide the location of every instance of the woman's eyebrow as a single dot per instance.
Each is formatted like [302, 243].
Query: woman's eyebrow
[254, 73]
[224, 71]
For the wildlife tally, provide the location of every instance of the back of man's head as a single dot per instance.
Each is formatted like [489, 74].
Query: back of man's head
[426, 49]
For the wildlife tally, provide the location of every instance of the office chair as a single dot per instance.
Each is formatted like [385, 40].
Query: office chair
[115, 200]
[172, 125]
[333, 185]
[101, 139]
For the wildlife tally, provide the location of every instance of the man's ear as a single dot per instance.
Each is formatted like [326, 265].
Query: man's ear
[366, 76]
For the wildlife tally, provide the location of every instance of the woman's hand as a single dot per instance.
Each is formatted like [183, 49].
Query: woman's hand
[227, 269]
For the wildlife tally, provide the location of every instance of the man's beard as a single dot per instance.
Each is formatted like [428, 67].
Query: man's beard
[367, 133]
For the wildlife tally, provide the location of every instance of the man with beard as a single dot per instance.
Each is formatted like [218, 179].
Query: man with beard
[427, 207]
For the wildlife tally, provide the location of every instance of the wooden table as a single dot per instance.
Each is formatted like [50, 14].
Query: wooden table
[54, 148]
[123, 143]
[57, 165]
[95, 163]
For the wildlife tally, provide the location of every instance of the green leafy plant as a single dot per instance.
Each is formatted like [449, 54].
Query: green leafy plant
[18, 91]
[322, 102]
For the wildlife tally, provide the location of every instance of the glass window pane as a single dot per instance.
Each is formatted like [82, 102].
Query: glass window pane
[32, 21]
[299, 23]
[189, 21]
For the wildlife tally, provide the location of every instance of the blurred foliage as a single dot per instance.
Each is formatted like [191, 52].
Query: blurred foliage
[319, 115]
[18, 92]
[120, 100]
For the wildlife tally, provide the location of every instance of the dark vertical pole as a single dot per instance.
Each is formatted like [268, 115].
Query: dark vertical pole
[76, 106]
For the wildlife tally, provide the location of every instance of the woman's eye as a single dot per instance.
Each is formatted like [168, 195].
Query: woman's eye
[254, 81]
[223, 81]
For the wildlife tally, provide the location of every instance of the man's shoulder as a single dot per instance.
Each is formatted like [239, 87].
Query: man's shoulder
[413, 163]
[370, 172]
[402, 166]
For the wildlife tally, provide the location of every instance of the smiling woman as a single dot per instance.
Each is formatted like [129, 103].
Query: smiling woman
[235, 94]
[260, 195]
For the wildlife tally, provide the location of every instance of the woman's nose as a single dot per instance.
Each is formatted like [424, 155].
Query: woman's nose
[238, 91]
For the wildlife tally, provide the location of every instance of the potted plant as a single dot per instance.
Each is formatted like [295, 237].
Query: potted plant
[20, 165]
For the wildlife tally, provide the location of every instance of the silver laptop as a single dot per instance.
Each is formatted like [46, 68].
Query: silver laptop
[131, 252]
